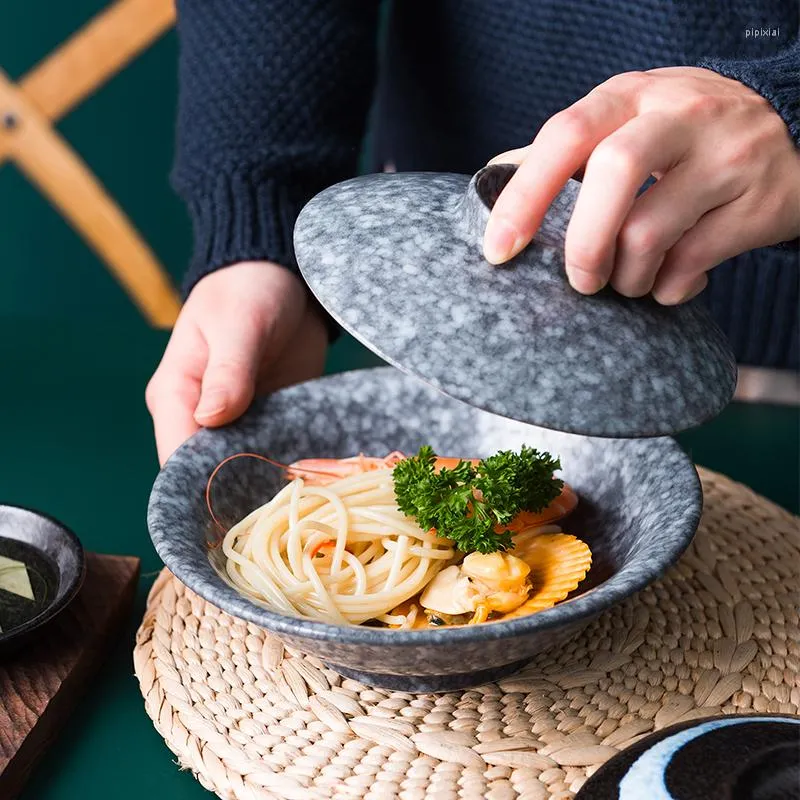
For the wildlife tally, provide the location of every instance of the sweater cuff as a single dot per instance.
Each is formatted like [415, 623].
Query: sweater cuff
[236, 217]
[775, 78]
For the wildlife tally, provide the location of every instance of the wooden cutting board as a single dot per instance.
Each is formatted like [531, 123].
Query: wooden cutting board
[41, 684]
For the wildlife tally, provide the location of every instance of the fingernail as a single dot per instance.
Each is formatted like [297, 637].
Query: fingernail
[667, 298]
[212, 402]
[696, 289]
[583, 281]
[500, 242]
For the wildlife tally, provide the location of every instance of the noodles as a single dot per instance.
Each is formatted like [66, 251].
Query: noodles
[342, 543]
[341, 553]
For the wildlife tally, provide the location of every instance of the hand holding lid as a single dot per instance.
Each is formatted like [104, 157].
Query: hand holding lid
[397, 260]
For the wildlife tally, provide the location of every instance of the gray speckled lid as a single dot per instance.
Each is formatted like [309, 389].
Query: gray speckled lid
[397, 260]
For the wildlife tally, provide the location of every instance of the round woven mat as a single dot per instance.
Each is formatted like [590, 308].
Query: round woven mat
[718, 634]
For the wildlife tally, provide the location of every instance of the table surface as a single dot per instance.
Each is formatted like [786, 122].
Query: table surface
[78, 445]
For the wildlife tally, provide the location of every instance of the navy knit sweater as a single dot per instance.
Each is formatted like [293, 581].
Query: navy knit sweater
[275, 100]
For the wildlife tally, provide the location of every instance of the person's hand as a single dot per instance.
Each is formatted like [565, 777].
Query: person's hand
[728, 176]
[245, 329]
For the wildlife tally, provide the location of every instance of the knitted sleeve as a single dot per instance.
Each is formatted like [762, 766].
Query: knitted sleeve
[777, 79]
[272, 108]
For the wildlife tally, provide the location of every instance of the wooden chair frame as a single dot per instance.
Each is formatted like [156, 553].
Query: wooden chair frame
[28, 139]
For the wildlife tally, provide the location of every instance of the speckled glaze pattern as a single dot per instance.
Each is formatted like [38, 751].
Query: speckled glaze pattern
[397, 260]
[640, 506]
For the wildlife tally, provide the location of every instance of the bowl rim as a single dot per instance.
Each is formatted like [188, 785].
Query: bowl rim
[209, 585]
[63, 596]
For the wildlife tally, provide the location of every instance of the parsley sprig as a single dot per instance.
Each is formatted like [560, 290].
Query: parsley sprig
[469, 503]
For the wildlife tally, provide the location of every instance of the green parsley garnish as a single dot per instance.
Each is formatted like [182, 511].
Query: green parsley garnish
[468, 503]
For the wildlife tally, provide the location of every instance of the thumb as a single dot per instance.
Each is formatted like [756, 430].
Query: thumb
[228, 383]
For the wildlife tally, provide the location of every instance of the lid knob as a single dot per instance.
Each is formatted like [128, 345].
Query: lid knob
[483, 190]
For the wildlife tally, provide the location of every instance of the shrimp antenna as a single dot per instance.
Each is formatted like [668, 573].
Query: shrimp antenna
[221, 528]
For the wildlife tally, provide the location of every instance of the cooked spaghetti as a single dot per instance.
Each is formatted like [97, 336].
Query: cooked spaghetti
[339, 553]
[334, 545]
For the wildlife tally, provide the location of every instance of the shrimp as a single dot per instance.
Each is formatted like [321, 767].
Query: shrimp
[564, 504]
[322, 471]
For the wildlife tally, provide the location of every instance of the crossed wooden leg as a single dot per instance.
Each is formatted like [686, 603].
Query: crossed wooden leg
[27, 137]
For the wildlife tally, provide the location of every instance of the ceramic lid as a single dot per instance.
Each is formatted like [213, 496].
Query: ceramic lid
[397, 260]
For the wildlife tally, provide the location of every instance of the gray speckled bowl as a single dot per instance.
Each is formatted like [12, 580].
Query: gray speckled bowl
[640, 505]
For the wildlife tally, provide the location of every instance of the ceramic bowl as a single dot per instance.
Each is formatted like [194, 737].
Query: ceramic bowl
[54, 558]
[640, 503]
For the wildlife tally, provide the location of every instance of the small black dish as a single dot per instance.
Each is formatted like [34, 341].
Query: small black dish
[54, 557]
[733, 757]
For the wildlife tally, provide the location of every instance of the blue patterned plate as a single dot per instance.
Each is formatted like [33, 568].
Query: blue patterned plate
[736, 757]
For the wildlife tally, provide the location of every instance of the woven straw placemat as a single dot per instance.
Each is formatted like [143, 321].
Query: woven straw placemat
[718, 634]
